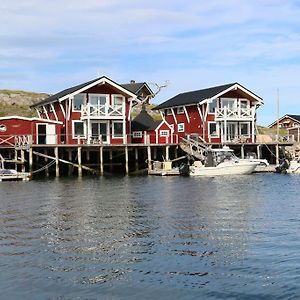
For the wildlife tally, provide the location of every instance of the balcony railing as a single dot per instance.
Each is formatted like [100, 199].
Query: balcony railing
[99, 111]
[234, 113]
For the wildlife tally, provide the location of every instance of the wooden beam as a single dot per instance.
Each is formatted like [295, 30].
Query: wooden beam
[56, 162]
[101, 159]
[126, 160]
[79, 161]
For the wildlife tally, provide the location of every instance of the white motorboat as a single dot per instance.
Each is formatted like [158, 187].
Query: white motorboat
[294, 167]
[221, 162]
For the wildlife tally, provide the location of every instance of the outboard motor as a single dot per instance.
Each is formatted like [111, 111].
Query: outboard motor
[184, 169]
[283, 166]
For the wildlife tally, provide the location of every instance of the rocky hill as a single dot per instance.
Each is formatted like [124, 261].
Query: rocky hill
[14, 102]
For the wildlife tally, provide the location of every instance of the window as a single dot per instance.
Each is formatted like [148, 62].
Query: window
[244, 128]
[213, 129]
[230, 103]
[180, 127]
[244, 104]
[164, 132]
[98, 100]
[78, 101]
[212, 106]
[180, 110]
[78, 129]
[117, 129]
[118, 100]
[2, 128]
[137, 134]
[168, 111]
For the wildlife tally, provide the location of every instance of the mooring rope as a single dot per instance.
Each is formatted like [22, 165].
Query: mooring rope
[45, 167]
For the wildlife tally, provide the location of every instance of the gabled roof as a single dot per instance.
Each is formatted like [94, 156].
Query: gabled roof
[135, 87]
[293, 117]
[143, 122]
[60, 95]
[203, 95]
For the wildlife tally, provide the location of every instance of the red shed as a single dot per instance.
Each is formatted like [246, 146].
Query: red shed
[42, 131]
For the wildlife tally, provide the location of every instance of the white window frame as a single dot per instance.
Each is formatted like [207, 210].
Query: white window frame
[240, 129]
[234, 100]
[169, 112]
[244, 100]
[119, 96]
[217, 130]
[180, 110]
[164, 132]
[84, 101]
[180, 129]
[73, 130]
[98, 95]
[137, 134]
[212, 113]
[113, 130]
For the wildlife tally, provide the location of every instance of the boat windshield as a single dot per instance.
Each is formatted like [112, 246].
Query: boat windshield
[221, 156]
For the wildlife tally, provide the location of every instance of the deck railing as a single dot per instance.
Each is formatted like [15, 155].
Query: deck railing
[106, 110]
[234, 113]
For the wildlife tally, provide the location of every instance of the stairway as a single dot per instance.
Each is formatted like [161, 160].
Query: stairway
[193, 147]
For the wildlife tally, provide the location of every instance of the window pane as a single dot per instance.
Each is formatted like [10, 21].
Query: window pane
[118, 100]
[118, 129]
[78, 101]
[212, 106]
[212, 128]
[78, 129]
[245, 129]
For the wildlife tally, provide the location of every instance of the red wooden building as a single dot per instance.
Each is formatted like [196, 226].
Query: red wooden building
[15, 129]
[146, 130]
[98, 111]
[225, 113]
[286, 122]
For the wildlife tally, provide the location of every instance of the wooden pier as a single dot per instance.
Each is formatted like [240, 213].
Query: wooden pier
[72, 159]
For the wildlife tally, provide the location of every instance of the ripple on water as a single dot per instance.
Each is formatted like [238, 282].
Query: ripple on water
[145, 237]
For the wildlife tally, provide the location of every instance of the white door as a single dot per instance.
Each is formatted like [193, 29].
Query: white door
[51, 134]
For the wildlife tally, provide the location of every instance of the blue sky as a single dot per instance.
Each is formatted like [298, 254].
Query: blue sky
[47, 46]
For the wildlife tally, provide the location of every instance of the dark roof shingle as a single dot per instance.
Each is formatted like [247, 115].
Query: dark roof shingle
[194, 96]
[143, 122]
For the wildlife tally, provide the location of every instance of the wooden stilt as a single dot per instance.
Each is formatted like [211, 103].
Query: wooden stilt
[70, 167]
[46, 162]
[110, 159]
[258, 151]
[79, 162]
[277, 154]
[126, 160]
[242, 151]
[30, 160]
[149, 157]
[101, 160]
[16, 158]
[136, 156]
[167, 153]
[56, 162]
[88, 155]
[23, 160]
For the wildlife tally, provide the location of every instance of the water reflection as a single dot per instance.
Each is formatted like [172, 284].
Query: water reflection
[168, 237]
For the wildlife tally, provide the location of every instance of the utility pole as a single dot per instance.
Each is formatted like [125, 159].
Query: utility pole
[277, 136]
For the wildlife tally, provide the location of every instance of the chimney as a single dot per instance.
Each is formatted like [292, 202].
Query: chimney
[132, 81]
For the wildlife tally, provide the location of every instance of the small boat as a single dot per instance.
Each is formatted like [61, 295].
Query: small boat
[12, 175]
[220, 162]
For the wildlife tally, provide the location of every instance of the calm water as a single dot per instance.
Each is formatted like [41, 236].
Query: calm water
[151, 238]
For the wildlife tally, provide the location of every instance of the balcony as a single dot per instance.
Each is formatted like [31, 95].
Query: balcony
[102, 111]
[234, 114]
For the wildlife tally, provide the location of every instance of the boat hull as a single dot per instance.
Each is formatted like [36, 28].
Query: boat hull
[231, 168]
